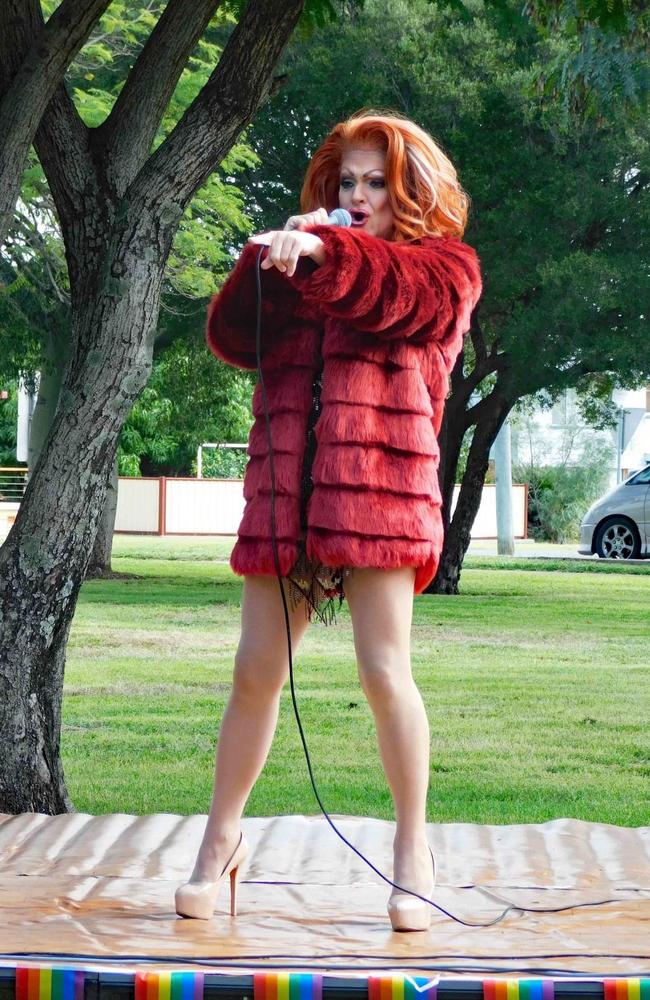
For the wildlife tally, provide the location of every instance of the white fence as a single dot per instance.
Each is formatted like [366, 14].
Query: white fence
[214, 507]
[176, 506]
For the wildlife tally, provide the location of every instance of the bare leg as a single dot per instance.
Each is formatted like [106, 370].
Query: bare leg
[381, 607]
[250, 717]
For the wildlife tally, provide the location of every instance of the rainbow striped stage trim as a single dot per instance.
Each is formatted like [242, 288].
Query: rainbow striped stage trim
[287, 986]
[626, 989]
[544, 989]
[518, 989]
[402, 987]
[49, 984]
[169, 985]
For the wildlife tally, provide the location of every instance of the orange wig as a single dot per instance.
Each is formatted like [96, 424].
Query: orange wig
[424, 191]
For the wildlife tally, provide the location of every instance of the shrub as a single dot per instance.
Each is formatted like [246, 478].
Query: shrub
[559, 496]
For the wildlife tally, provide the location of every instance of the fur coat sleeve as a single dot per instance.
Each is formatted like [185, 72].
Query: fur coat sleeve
[232, 312]
[422, 290]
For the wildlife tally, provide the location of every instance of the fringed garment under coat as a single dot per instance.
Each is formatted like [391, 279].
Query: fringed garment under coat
[388, 320]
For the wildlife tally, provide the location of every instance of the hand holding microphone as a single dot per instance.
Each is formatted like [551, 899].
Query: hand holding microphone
[317, 218]
[288, 244]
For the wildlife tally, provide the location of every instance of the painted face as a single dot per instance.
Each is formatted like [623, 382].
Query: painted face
[363, 192]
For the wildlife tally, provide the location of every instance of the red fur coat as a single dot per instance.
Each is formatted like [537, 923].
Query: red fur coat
[388, 319]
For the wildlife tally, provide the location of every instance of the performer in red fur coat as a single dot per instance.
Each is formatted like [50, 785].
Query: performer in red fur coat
[361, 328]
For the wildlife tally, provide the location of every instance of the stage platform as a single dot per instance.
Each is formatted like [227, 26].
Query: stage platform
[100, 890]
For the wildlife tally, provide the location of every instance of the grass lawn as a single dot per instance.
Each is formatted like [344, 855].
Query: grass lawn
[536, 684]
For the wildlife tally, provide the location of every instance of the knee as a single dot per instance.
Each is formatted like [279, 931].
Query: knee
[257, 674]
[384, 677]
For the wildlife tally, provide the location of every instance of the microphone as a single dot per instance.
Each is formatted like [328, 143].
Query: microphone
[339, 217]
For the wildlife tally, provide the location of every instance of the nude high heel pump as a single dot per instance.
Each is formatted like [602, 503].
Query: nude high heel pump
[408, 913]
[198, 899]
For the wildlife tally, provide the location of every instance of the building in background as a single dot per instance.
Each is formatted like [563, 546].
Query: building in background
[559, 435]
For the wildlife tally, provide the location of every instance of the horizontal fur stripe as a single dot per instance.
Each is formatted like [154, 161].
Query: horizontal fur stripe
[342, 549]
[254, 557]
[376, 469]
[288, 434]
[371, 385]
[286, 391]
[256, 519]
[407, 432]
[372, 513]
[433, 370]
[341, 342]
[288, 469]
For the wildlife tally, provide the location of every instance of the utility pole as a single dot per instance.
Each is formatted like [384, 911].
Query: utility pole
[26, 402]
[503, 475]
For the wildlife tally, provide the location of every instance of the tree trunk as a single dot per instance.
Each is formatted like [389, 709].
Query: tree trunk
[119, 208]
[100, 560]
[45, 556]
[451, 441]
[493, 411]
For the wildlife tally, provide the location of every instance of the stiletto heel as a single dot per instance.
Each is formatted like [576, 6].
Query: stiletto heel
[408, 913]
[233, 891]
[198, 899]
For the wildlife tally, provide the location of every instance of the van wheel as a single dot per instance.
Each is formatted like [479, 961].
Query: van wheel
[617, 538]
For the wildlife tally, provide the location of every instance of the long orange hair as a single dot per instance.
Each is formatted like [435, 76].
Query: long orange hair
[424, 191]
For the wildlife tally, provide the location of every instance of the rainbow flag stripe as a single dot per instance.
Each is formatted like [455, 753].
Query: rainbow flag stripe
[287, 986]
[402, 987]
[626, 989]
[169, 985]
[39, 983]
[518, 989]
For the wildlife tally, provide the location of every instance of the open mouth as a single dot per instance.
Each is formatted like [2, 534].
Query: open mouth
[358, 218]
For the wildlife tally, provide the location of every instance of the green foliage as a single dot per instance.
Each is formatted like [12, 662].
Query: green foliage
[224, 463]
[19, 346]
[316, 13]
[191, 398]
[607, 42]
[34, 325]
[598, 52]
[199, 258]
[8, 419]
[560, 495]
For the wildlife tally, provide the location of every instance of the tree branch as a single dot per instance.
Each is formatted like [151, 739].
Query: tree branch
[62, 143]
[35, 57]
[477, 338]
[462, 386]
[477, 412]
[241, 81]
[28, 229]
[125, 137]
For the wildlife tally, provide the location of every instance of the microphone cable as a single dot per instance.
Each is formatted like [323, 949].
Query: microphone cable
[276, 561]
